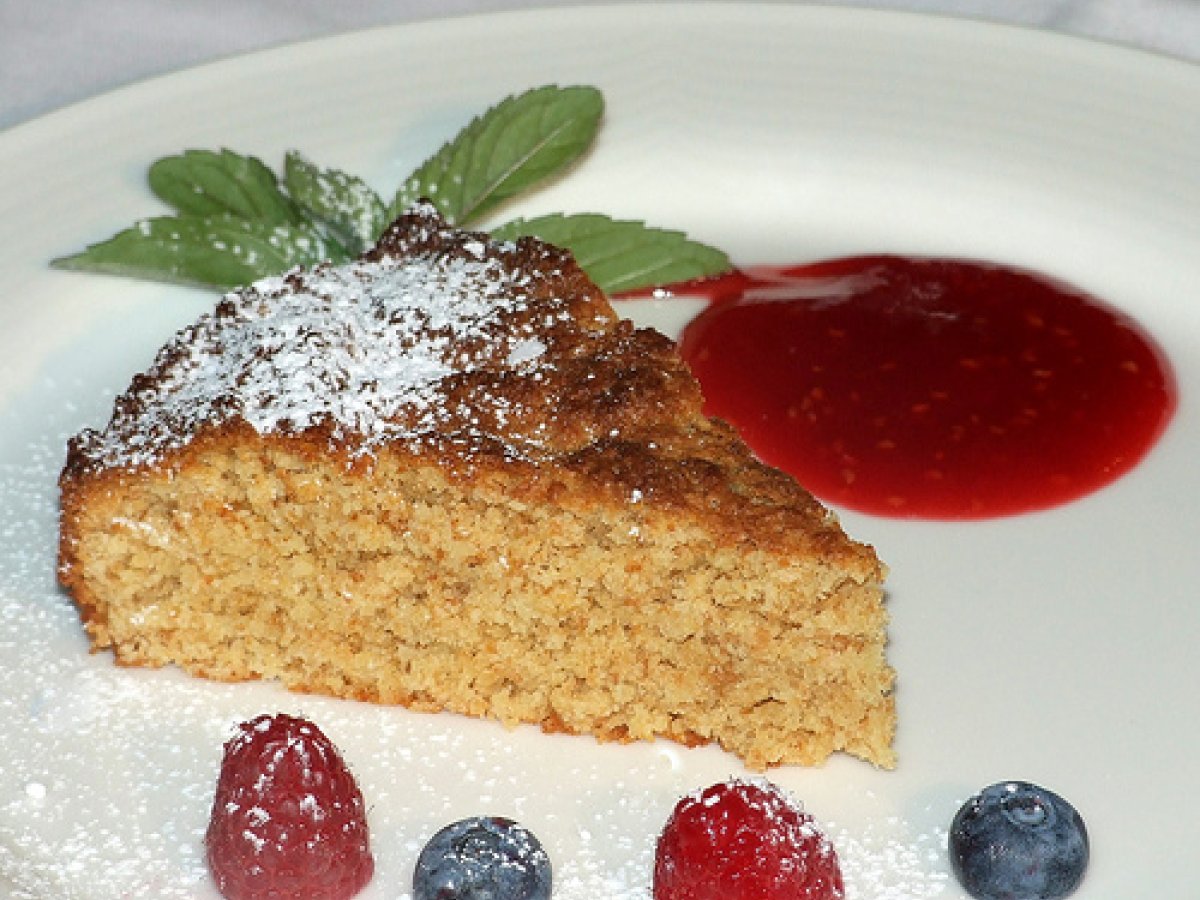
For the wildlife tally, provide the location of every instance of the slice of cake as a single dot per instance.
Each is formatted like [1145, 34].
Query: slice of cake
[448, 476]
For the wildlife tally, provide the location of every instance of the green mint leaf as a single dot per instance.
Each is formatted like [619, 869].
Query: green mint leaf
[211, 183]
[220, 252]
[516, 144]
[341, 203]
[622, 255]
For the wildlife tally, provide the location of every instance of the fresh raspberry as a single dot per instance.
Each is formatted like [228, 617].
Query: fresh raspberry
[288, 820]
[744, 840]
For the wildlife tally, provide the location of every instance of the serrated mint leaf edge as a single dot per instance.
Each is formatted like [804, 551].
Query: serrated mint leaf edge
[447, 164]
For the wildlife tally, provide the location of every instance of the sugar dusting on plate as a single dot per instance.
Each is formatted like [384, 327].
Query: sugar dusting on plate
[108, 774]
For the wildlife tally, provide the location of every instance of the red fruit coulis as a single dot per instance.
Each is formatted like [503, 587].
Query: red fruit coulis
[929, 388]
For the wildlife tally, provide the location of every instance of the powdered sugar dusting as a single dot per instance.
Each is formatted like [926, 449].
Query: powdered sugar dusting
[107, 775]
[892, 858]
[363, 349]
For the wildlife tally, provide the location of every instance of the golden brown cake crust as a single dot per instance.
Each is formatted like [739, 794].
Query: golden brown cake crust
[614, 403]
[448, 382]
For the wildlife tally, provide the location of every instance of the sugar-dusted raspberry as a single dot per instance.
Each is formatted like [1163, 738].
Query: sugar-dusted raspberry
[288, 821]
[744, 840]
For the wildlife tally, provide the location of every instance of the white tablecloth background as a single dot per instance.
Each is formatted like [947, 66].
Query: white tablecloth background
[56, 52]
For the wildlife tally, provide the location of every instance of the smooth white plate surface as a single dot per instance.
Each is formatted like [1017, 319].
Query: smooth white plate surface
[1056, 647]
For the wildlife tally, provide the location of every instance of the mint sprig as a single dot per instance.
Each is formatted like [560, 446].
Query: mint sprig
[237, 221]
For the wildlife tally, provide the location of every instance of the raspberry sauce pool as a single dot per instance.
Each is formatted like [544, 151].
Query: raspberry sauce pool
[929, 388]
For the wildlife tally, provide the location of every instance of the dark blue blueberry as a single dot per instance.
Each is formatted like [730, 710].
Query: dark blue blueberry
[482, 858]
[1017, 841]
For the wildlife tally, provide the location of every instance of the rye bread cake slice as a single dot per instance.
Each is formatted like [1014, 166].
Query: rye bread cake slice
[448, 476]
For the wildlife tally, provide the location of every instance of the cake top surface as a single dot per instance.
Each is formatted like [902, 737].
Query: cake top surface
[382, 349]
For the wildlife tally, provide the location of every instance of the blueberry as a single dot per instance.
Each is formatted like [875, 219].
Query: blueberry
[1017, 841]
[482, 858]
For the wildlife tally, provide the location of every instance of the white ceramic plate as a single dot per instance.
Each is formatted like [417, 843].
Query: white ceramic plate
[1058, 647]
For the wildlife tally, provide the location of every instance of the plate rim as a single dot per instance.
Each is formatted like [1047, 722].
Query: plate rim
[1033, 36]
